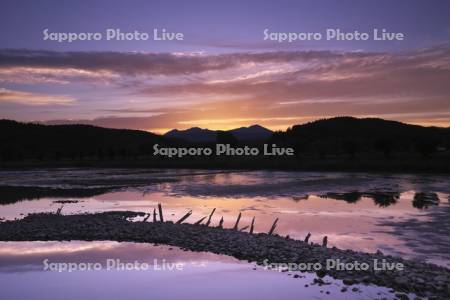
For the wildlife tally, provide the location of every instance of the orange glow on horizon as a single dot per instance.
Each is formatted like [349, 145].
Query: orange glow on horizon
[270, 123]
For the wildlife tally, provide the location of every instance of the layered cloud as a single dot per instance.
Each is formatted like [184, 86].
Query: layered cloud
[135, 63]
[28, 98]
[276, 89]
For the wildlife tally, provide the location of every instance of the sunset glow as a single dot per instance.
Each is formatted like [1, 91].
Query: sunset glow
[237, 80]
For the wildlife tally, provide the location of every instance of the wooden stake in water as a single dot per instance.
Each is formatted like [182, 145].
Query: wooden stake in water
[154, 215]
[209, 218]
[252, 225]
[58, 211]
[161, 218]
[221, 223]
[307, 237]
[146, 217]
[325, 241]
[243, 228]
[237, 222]
[200, 221]
[274, 225]
[187, 215]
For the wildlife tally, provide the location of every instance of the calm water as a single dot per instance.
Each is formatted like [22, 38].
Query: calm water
[200, 275]
[404, 215]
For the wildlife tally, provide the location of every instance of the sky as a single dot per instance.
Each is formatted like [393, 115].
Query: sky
[224, 74]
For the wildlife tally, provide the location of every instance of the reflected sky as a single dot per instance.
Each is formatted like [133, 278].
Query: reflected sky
[204, 275]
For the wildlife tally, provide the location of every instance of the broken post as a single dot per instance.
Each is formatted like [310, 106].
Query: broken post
[187, 215]
[154, 215]
[252, 225]
[199, 221]
[221, 222]
[237, 222]
[146, 217]
[209, 218]
[161, 218]
[325, 241]
[307, 237]
[274, 225]
[243, 228]
[58, 211]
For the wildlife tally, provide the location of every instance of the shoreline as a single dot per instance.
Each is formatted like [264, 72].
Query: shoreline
[435, 166]
[420, 278]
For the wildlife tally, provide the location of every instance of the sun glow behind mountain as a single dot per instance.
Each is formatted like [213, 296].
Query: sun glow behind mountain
[227, 77]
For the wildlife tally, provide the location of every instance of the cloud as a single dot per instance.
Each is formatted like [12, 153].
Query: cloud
[59, 67]
[351, 75]
[349, 84]
[276, 89]
[28, 98]
[36, 75]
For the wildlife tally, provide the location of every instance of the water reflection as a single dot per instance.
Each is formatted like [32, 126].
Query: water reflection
[425, 200]
[349, 208]
[384, 199]
[427, 238]
[203, 275]
[13, 194]
[29, 256]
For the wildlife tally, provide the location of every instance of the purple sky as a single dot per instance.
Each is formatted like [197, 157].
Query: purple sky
[223, 74]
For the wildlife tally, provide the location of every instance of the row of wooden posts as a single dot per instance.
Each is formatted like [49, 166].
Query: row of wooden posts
[235, 227]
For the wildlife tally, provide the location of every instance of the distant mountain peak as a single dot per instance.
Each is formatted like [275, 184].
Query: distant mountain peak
[171, 131]
[257, 126]
[197, 134]
[253, 132]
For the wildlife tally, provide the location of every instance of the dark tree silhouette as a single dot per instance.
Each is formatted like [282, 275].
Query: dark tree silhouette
[426, 146]
[385, 145]
[225, 137]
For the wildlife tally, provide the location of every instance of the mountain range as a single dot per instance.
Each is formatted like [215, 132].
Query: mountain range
[334, 136]
[199, 135]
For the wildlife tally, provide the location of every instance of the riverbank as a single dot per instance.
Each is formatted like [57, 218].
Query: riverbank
[419, 278]
[396, 164]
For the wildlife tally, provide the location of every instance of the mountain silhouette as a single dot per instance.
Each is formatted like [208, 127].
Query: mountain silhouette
[350, 127]
[194, 134]
[199, 135]
[336, 138]
[254, 132]
[29, 140]
[350, 135]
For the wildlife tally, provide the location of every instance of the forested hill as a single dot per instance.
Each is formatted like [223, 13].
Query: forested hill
[30, 140]
[328, 137]
[348, 134]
